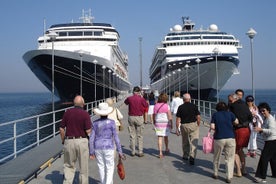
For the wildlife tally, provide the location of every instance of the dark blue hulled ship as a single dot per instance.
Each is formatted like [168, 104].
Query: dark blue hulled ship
[87, 60]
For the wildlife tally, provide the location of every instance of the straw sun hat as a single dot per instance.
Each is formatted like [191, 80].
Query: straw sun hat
[103, 109]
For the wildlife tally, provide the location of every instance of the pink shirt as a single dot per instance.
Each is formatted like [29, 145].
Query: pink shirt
[160, 110]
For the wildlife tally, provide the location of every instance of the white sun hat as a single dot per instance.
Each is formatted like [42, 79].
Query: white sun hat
[103, 109]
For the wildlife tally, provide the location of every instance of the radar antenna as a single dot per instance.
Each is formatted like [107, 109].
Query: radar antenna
[184, 19]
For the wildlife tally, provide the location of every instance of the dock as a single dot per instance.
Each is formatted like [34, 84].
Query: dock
[172, 169]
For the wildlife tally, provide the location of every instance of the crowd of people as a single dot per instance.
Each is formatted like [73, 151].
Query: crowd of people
[235, 127]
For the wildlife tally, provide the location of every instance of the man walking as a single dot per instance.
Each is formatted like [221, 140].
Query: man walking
[74, 129]
[189, 117]
[136, 106]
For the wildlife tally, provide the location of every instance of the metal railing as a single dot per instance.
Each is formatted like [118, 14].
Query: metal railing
[206, 108]
[37, 129]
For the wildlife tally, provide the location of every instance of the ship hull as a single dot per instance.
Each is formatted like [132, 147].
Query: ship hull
[179, 78]
[75, 75]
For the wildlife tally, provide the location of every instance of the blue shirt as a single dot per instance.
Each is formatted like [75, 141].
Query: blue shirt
[103, 136]
[223, 121]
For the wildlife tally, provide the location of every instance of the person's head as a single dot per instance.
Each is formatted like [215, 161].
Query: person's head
[110, 102]
[264, 108]
[163, 98]
[136, 90]
[187, 97]
[78, 101]
[230, 99]
[249, 99]
[221, 106]
[176, 94]
[151, 95]
[234, 97]
[240, 93]
[103, 109]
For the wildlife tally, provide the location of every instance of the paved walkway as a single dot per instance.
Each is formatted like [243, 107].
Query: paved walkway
[150, 169]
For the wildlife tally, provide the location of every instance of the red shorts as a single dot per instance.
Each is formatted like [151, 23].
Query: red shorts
[242, 136]
[146, 109]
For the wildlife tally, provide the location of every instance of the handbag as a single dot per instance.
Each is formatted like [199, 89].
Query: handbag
[121, 127]
[121, 169]
[208, 143]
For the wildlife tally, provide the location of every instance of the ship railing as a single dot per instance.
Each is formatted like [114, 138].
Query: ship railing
[206, 109]
[32, 131]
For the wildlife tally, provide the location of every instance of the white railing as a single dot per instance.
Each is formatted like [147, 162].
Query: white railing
[37, 129]
[206, 108]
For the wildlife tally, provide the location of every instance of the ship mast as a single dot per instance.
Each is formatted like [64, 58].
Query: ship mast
[86, 16]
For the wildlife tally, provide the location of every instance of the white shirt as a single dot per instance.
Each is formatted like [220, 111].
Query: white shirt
[176, 102]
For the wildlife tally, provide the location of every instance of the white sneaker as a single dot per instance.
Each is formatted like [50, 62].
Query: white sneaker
[259, 180]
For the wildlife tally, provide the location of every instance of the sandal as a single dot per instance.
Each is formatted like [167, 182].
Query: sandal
[167, 152]
[237, 175]
[161, 156]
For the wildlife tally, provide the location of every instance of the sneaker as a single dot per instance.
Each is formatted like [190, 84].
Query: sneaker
[215, 176]
[140, 154]
[259, 180]
[228, 180]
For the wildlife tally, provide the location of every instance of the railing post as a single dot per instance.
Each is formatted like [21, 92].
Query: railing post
[54, 123]
[14, 140]
[204, 109]
[37, 130]
[210, 109]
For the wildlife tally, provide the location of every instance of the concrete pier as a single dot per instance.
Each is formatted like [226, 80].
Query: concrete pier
[172, 169]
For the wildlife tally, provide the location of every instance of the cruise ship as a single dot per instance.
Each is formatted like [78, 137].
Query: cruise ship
[198, 61]
[82, 58]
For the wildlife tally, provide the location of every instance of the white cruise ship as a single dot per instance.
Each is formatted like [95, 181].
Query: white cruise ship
[189, 59]
[87, 60]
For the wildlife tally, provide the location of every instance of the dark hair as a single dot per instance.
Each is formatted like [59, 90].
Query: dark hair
[249, 98]
[145, 95]
[239, 90]
[221, 106]
[264, 105]
[136, 89]
[163, 97]
[151, 96]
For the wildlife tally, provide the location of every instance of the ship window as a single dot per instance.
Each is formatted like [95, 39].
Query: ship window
[75, 33]
[62, 33]
[88, 33]
[98, 33]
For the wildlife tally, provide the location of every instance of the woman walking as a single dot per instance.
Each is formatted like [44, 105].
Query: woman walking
[222, 123]
[268, 131]
[101, 143]
[162, 122]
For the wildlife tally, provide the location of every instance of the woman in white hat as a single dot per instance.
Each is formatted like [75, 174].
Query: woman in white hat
[102, 145]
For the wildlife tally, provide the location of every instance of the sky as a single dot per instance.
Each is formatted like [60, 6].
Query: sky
[22, 24]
